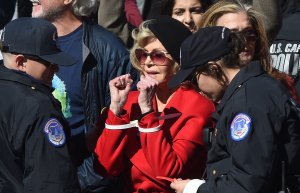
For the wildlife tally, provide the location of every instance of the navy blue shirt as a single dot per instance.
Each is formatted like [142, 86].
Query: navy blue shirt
[67, 82]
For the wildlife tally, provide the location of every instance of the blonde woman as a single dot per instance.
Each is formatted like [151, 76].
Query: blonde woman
[156, 131]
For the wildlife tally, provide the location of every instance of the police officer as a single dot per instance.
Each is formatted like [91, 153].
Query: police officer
[34, 136]
[257, 122]
[285, 50]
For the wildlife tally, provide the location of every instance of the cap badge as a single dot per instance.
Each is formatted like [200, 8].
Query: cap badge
[240, 127]
[55, 133]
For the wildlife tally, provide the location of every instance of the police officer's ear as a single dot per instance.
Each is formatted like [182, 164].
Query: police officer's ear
[216, 70]
[214, 66]
[21, 62]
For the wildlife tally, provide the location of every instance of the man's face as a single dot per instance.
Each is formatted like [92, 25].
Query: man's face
[50, 10]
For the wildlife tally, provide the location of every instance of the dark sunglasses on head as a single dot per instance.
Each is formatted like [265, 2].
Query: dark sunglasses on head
[250, 35]
[157, 57]
[38, 59]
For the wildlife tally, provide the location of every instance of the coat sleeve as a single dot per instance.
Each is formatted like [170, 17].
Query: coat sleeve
[171, 154]
[48, 167]
[291, 141]
[109, 151]
[133, 14]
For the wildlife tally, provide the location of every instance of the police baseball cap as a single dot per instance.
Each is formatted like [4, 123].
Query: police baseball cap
[205, 45]
[35, 37]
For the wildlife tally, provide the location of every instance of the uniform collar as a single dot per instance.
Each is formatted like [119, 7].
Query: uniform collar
[23, 78]
[253, 69]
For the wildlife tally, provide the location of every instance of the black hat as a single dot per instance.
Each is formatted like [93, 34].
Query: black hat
[36, 37]
[171, 33]
[205, 45]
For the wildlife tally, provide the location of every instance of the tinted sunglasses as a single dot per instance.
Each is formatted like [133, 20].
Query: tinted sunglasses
[157, 57]
[250, 35]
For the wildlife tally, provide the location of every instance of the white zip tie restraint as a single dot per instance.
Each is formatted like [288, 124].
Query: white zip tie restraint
[125, 126]
[132, 124]
[149, 130]
[143, 130]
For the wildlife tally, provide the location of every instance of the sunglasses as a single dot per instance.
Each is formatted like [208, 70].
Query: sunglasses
[38, 59]
[157, 57]
[250, 35]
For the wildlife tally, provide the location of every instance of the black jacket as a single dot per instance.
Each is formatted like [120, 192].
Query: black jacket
[258, 126]
[34, 146]
[104, 58]
[285, 50]
[7, 9]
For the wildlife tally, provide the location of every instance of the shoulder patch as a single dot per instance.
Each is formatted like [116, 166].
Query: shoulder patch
[55, 132]
[240, 127]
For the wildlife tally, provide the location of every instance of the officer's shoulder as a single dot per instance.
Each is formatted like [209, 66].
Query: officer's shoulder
[23, 93]
[265, 85]
[32, 96]
[22, 100]
[266, 90]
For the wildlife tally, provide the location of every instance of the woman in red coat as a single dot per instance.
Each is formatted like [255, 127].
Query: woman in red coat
[155, 131]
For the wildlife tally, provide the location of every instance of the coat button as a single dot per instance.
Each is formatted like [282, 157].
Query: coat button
[214, 172]
[33, 88]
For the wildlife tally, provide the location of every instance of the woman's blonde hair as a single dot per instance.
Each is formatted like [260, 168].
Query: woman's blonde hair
[142, 36]
[211, 16]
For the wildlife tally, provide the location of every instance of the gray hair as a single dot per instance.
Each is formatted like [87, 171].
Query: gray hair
[84, 8]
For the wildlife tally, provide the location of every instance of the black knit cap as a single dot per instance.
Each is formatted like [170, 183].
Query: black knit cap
[205, 45]
[171, 33]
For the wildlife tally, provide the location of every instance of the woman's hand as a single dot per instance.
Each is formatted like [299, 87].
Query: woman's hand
[119, 88]
[147, 87]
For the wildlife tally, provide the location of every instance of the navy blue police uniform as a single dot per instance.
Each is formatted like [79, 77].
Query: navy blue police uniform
[35, 150]
[285, 50]
[257, 128]
[33, 138]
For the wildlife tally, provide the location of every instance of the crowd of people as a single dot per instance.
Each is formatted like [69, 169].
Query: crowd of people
[185, 96]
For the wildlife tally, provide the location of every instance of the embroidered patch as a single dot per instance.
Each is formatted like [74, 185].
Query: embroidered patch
[55, 132]
[240, 127]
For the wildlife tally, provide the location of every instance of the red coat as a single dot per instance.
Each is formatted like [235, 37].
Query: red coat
[175, 150]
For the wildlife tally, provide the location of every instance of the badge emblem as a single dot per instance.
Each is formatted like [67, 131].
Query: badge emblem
[240, 127]
[55, 132]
